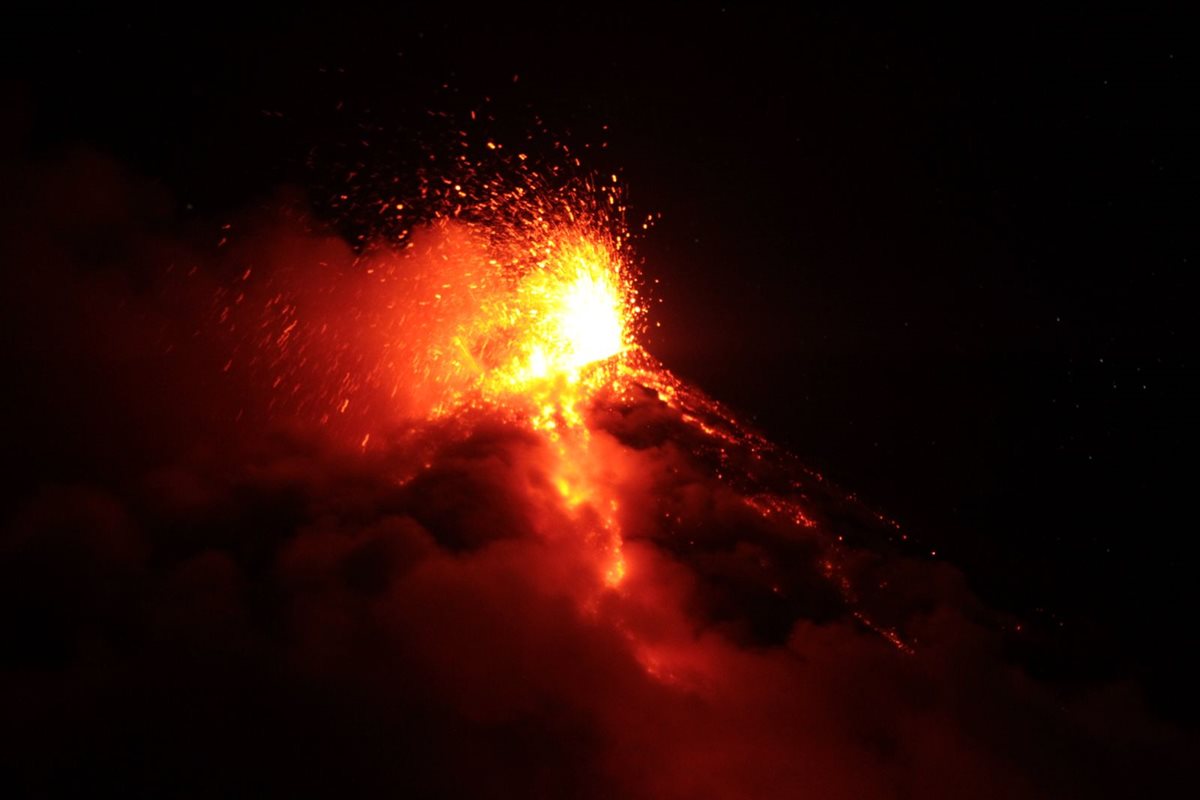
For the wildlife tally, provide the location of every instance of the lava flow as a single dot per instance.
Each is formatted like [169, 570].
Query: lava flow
[552, 329]
[541, 350]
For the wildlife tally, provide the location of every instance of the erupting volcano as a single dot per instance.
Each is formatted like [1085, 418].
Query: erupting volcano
[469, 401]
[513, 305]
[424, 515]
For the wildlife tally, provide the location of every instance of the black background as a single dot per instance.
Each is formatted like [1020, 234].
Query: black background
[948, 261]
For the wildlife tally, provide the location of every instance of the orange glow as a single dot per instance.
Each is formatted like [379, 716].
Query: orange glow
[537, 343]
[589, 320]
[573, 315]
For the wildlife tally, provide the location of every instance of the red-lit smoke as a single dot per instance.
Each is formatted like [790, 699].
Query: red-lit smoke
[297, 519]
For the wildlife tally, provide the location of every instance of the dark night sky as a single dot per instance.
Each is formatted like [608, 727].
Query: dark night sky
[950, 262]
